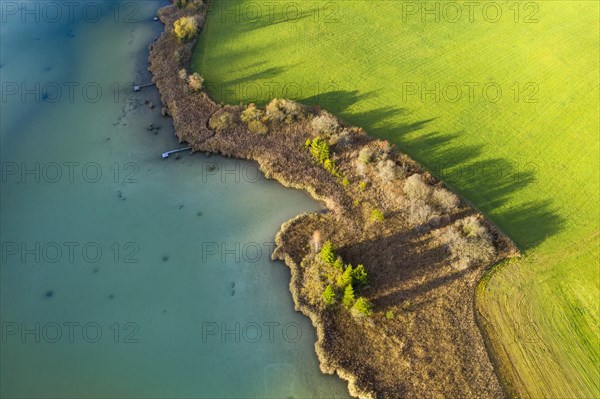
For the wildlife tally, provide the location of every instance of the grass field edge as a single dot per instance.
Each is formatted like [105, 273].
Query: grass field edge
[513, 386]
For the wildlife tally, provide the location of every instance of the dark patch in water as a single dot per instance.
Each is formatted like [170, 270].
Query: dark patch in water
[96, 270]
[49, 294]
[111, 296]
[70, 34]
[48, 69]
[165, 258]
[232, 292]
[232, 284]
[181, 206]
[199, 214]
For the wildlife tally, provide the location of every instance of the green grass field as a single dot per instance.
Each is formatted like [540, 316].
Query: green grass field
[503, 108]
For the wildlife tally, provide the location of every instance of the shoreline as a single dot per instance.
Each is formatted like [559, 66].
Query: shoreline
[193, 114]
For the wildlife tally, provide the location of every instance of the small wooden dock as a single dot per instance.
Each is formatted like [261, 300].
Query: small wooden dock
[166, 154]
[140, 87]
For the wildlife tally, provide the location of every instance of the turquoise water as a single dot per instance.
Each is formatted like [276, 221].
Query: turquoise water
[123, 274]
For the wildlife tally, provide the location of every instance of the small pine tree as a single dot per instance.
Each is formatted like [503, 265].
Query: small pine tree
[319, 150]
[329, 295]
[359, 275]
[362, 307]
[348, 299]
[346, 278]
[339, 264]
[377, 216]
[345, 182]
[328, 253]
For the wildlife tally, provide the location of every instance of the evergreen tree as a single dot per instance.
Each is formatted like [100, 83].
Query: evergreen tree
[329, 295]
[346, 278]
[362, 307]
[348, 299]
[339, 263]
[359, 275]
[328, 253]
[377, 216]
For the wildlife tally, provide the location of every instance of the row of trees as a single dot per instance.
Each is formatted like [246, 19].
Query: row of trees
[342, 280]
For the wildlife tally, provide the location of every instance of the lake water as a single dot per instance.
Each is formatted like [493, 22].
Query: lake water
[124, 274]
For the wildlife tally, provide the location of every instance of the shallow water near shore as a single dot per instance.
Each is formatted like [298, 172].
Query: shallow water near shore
[124, 274]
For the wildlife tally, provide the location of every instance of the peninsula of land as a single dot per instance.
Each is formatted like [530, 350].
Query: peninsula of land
[388, 274]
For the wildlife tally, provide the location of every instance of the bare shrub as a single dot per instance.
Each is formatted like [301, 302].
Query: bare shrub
[188, 4]
[258, 127]
[416, 188]
[361, 168]
[472, 228]
[281, 110]
[325, 123]
[419, 213]
[365, 155]
[383, 150]
[388, 170]
[315, 240]
[252, 113]
[195, 81]
[445, 200]
[179, 56]
[182, 74]
[221, 121]
[342, 139]
[469, 243]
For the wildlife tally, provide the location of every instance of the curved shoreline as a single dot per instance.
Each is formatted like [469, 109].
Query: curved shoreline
[324, 362]
[192, 114]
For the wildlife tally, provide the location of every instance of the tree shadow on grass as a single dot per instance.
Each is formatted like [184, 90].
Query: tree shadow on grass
[268, 73]
[532, 222]
[336, 101]
[490, 183]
